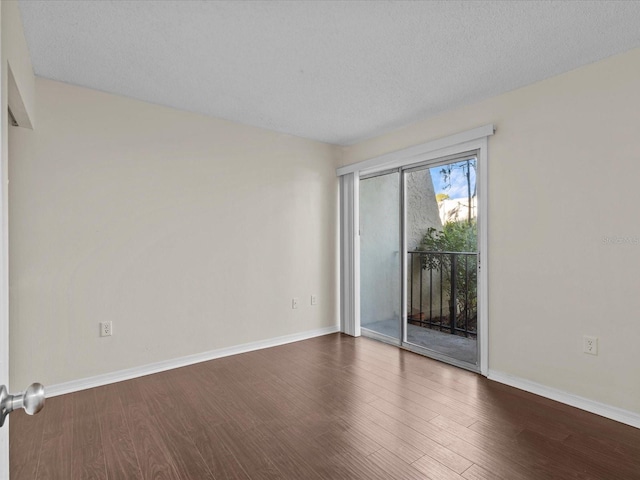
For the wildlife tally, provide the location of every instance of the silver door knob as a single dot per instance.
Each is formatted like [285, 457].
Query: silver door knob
[32, 400]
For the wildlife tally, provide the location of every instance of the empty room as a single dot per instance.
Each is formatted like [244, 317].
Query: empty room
[319, 240]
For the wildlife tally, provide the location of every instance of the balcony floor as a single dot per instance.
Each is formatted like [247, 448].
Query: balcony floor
[460, 348]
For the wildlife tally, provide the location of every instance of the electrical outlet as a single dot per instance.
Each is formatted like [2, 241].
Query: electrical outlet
[314, 299]
[294, 302]
[590, 345]
[106, 329]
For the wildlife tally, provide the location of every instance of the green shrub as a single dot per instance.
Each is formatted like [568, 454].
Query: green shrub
[459, 236]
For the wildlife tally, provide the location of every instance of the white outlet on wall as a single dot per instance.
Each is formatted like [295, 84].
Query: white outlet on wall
[590, 345]
[294, 302]
[106, 329]
[314, 299]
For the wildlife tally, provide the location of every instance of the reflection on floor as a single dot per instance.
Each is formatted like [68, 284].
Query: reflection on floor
[460, 348]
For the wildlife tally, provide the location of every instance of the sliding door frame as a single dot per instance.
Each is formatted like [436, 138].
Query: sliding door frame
[425, 350]
[476, 139]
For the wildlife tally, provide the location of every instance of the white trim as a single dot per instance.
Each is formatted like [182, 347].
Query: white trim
[403, 259]
[410, 155]
[350, 255]
[356, 256]
[483, 249]
[614, 413]
[129, 373]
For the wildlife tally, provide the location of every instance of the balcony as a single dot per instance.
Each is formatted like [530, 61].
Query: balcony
[442, 310]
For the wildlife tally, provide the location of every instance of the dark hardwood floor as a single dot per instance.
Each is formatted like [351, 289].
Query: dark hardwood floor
[333, 407]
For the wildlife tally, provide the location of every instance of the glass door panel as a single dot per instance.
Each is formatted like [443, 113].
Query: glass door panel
[441, 254]
[380, 259]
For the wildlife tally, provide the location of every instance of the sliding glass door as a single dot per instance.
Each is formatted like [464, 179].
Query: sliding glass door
[380, 257]
[441, 238]
[419, 258]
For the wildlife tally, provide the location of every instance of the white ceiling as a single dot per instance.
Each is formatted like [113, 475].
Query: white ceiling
[335, 71]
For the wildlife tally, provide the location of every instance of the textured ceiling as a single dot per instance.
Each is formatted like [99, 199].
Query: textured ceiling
[335, 71]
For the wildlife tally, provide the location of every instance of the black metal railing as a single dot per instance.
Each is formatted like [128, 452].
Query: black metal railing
[443, 291]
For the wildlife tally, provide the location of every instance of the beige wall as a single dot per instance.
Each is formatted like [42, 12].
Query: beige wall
[189, 233]
[564, 173]
[192, 234]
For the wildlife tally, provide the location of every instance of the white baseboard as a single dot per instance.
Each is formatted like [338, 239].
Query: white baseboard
[129, 373]
[604, 410]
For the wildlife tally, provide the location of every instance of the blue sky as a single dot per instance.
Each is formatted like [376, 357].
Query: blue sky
[458, 181]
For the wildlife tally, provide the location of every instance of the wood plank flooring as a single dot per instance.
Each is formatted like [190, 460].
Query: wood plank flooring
[333, 407]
